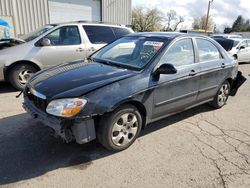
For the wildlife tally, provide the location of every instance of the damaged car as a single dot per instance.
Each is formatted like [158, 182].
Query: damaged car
[128, 84]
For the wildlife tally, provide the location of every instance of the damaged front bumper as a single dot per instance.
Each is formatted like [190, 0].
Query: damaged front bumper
[80, 130]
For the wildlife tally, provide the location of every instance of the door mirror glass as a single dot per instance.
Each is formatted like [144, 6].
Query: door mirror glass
[45, 42]
[166, 69]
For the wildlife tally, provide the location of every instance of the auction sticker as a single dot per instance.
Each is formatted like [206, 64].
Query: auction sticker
[153, 43]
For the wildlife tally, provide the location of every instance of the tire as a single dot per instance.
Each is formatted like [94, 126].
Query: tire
[222, 95]
[20, 74]
[118, 130]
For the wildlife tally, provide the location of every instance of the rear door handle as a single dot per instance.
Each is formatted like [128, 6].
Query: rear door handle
[79, 50]
[223, 65]
[192, 73]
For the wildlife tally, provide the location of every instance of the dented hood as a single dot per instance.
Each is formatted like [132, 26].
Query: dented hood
[76, 79]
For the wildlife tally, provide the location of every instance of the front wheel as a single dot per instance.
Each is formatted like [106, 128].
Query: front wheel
[20, 74]
[222, 95]
[119, 129]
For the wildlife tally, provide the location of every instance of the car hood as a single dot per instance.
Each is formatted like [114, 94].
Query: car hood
[76, 79]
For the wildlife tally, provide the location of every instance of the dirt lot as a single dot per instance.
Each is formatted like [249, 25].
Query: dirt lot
[201, 147]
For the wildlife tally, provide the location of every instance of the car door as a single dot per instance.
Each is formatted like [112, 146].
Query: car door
[176, 91]
[211, 64]
[66, 45]
[97, 36]
[243, 51]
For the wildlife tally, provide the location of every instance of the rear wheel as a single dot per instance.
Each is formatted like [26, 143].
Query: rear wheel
[20, 74]
[119, 129]
[221, 97]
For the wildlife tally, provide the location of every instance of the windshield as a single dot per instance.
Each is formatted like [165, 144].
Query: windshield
[37, 33]
[130, 52]
[235, 43]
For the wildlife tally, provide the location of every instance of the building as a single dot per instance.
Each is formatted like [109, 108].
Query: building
[25, 16]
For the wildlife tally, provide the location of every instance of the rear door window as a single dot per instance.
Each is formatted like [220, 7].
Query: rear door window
[99, 34]
[207, 50]
[120, 32]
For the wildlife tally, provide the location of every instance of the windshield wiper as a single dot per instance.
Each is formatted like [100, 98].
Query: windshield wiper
[102, 61]
[111, 63]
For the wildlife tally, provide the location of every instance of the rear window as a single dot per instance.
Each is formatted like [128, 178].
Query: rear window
[99, 34]
[121, 32]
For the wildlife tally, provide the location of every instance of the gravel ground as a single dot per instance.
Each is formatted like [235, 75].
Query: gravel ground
[200, 147]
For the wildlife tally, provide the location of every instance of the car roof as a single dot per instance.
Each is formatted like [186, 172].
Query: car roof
[170, 35]
[83, 22]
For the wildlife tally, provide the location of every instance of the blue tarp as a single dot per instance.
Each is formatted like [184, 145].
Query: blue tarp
[4, 23]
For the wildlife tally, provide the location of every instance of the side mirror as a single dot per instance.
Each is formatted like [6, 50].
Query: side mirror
[166, 69]
[242, 47]
[45, 42]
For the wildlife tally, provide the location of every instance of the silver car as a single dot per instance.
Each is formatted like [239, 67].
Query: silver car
[52, 45]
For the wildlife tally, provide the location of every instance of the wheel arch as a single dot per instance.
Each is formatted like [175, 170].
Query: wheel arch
[8, 68]
[141, 108]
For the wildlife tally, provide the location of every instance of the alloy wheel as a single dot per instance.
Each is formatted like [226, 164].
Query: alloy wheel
[124, 129]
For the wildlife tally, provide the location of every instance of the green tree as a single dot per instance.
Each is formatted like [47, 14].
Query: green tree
[238, 24]
[145, 19]
[227, 30]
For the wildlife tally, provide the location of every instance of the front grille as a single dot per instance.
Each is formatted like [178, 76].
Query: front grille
[38, 102]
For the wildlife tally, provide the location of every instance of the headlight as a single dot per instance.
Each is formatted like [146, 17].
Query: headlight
[66, 107]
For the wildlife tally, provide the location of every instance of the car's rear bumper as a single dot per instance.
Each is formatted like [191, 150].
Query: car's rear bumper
[80, 130]
[237, 83]
[1, 72]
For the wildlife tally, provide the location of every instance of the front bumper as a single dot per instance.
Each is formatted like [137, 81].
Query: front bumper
[80, 130]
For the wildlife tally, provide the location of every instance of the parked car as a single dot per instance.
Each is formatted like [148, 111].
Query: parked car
[238, 48]
[128, 84]
[52, 45]
[226, 36]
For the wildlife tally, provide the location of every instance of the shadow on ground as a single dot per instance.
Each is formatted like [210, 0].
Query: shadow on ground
[28, 150]
[6, 88]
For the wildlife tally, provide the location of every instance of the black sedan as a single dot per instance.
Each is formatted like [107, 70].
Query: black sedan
[128, 84]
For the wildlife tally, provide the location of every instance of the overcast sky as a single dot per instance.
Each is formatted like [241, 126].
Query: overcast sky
[224, 12]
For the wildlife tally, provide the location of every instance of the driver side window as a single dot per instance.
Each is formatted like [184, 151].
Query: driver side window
[68, 35]
[180, 53]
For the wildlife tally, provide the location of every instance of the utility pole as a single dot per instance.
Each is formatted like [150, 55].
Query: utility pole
[208, 10]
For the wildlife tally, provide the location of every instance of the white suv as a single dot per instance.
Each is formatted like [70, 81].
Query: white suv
[55, 44]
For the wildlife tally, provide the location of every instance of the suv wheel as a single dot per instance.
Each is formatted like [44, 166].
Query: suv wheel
[221, 97]
[119, 129]
[20, 74]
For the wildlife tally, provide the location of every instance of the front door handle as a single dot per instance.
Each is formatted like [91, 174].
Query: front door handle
[91, 49]
[223, 65]
[79, 50]
[192, 73]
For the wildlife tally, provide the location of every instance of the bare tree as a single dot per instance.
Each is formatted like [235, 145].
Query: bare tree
[200, 23]
[145, 19]
[172, 21]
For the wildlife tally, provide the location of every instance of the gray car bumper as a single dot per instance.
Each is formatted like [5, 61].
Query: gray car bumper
[82, 131]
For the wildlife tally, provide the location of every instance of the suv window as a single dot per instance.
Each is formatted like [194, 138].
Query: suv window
[66, 35]
[99, 34]
[120, 32]
[180, 53]
[207, 50]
